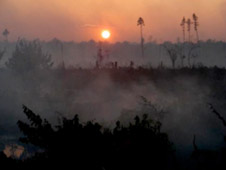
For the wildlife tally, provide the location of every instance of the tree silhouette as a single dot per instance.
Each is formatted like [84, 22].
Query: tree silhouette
[173, 54]
[141, 145]
[29, 57]
[196, 24]
[188, 22]
[140, 23]
[191, 49]
[183, 22]
[5, 33]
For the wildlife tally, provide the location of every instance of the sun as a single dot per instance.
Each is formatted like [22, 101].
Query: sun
[105, 34]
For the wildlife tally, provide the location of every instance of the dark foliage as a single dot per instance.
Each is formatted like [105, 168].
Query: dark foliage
[29, 57]
[88, 145]
[204, 159]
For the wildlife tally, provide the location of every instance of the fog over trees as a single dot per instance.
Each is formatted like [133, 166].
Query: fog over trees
[173, 83]
[85, 54]
[109, 104]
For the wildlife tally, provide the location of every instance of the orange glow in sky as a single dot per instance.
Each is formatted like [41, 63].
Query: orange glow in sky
[85, 19]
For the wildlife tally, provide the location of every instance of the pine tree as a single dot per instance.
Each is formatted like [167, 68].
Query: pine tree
[29, 57]
[140, 23]
[189, 23]
[196, 24]
[183, 22]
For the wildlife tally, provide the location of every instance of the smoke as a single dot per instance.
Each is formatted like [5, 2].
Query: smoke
[178, 99]
[98, 97]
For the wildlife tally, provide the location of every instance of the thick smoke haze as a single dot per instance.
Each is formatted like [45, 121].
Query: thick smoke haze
[106, 95]
[69, 95]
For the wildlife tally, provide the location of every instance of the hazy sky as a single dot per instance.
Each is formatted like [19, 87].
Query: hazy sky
[82, 20]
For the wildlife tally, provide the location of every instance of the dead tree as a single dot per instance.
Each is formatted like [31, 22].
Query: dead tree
[191, 48]
[172, 54]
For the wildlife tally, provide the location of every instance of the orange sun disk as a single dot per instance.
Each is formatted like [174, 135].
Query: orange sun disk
[105, 34]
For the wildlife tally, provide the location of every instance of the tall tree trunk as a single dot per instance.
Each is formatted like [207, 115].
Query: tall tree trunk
[189, 36]
[142, 41]
[183, 35]
[197, 35]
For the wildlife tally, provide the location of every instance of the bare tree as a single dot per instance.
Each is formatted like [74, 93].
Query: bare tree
[196, 24]
[183, 22]
[140, 23]
[172, 54]
[192, 47]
